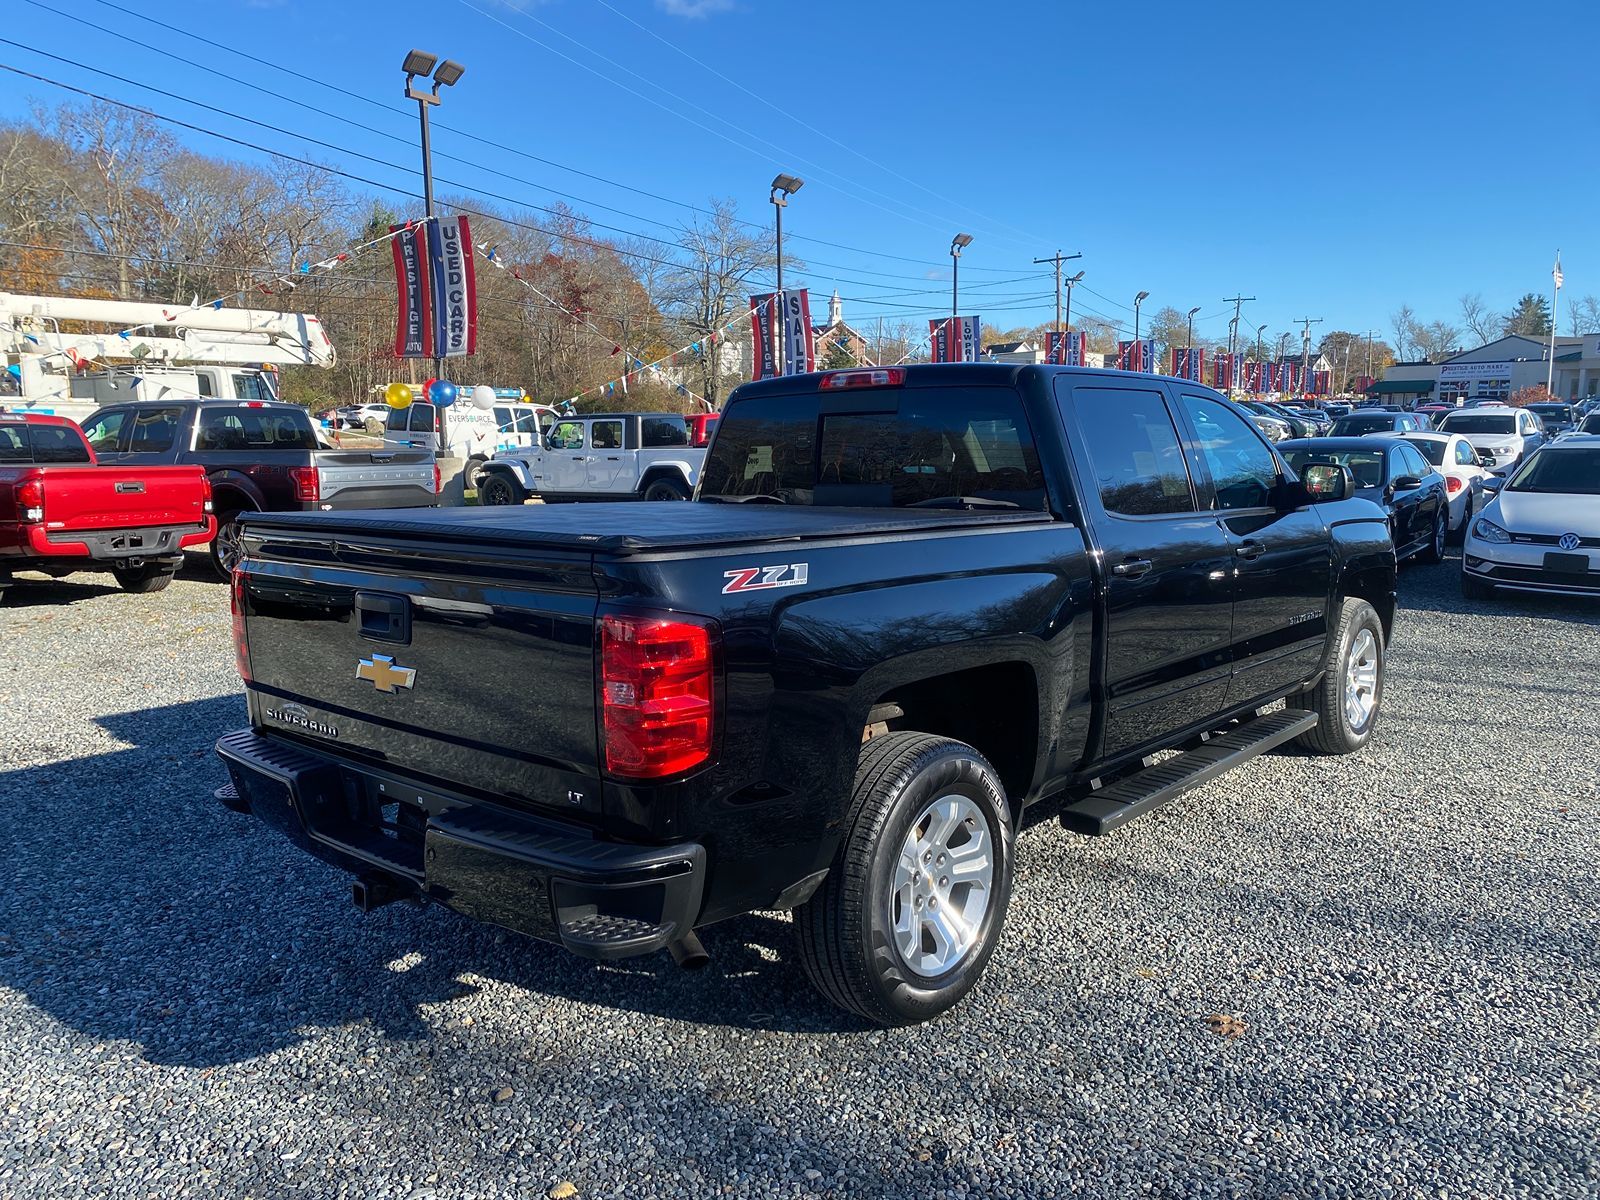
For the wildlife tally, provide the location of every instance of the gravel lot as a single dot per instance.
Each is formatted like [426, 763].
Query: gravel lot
[188, 1007]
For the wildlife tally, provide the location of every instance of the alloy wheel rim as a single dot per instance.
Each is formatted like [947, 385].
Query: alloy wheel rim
[1361, 680]
[942, 886]
[229, 547]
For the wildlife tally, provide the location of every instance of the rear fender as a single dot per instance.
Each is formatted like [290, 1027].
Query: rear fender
[233, 491]
[673, 466]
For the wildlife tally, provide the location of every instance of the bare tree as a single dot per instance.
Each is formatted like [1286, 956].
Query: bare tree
[1403, 324]
[1481, 321]
[1436, 340]
[1584, 315]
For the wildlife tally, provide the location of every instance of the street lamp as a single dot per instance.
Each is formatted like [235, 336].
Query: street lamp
[419, 63]
[783, 186]
[957, 244]
[1260, 329]
[1189, 344]
[1137, 301]
[1078, 278]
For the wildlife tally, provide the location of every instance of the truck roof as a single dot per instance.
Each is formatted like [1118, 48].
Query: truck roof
[979, 374]
[29, 418]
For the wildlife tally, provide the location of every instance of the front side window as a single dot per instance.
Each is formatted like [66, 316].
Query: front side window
[1243, 470]
[1412, 463]
[1133, 445]
[103, 431]
[567, 435]
[1431, 450]
[606, 435]
[248, 387]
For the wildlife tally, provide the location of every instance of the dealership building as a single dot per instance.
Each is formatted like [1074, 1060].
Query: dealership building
[1498, 369]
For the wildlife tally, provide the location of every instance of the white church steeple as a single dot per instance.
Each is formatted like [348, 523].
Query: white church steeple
[835, 310]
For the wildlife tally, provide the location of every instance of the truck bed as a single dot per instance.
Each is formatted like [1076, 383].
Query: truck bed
[640, 528]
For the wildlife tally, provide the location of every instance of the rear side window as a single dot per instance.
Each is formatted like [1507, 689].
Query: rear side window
[14, 444]
[504, 418]
[154, 430]
[606, 435]
[56, 444]
[1431, 450]
[663, 431]
[1134, 449]
[248, 387]
[1465, 455]
[252, 429]
[939, 445]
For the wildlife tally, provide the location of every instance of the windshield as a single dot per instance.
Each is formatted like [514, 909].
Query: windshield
[1460, 422]
[1571, 472]
[940, 445]
[1354, 426]
[1365, 465]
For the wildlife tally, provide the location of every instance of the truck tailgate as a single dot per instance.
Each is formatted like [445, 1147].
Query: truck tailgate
[89, 499]
[465, 668]
[376, 478]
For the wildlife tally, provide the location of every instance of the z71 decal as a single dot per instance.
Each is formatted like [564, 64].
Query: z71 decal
[755, 579]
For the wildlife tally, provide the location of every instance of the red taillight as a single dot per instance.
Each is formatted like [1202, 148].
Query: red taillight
[307, 484]
[1453, 484]
[30, 501]
[869, 378]
[205, 494]
[657, 677]
[241, 641]
[438, 481]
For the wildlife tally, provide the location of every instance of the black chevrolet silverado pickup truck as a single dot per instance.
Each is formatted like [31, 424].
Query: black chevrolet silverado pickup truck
[907, 603]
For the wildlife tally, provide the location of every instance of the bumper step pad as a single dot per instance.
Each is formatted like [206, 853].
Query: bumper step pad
[1114, 806]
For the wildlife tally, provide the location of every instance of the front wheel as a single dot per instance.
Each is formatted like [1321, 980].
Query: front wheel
[913, 904]
[143, 579]
[499, 488]
[1349, 696]
[666, 489]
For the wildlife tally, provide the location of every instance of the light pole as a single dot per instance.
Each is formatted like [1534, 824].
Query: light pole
[1078, 278]
[1260, 329]
[783, 186]
[958, 243]
[1138, 349]
[1189, 344]
[421, 63]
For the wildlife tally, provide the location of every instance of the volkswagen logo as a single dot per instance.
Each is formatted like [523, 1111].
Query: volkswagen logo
[1570, 541]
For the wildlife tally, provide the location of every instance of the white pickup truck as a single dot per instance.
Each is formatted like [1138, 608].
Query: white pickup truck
[604, 456]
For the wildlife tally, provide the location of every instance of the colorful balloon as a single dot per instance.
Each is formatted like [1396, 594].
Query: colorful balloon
[483, 397]
[397, 395]
[444, 393]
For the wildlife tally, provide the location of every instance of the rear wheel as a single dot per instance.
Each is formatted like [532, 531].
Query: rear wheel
[143, 579]
[913, 903]
[666, 488]
[474, 473]
[500, 488]
[227, 548]
[1433, 552]
[1349, 696]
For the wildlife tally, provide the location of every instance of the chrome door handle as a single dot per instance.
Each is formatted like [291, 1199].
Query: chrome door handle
[1132, 568]
[1250, 550]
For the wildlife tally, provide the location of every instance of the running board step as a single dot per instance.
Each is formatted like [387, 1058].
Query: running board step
[1114, 806]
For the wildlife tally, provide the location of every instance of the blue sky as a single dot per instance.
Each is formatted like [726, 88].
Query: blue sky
[1333, 161]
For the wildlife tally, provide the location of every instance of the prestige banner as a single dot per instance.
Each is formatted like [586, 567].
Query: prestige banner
[413, 336]
[764, 336]
[954, 339]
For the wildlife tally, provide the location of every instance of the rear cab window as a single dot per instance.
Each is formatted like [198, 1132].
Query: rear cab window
[902, 448]
[57, 444]
[14, 444]
[229, 428]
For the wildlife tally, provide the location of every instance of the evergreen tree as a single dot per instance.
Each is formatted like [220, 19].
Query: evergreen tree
[1530, 317]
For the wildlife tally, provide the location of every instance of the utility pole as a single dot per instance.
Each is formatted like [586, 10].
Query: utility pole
[1305, 346]
[1233, 333]
[1370, 332]
[1058, 258]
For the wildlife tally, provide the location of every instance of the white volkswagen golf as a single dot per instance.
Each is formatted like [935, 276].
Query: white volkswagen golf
[1541, 532]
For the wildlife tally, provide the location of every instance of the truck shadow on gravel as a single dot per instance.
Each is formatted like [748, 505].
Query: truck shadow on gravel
[140, 909]
[38, 591]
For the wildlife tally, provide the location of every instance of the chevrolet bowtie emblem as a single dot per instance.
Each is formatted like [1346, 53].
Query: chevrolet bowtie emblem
[384, 674]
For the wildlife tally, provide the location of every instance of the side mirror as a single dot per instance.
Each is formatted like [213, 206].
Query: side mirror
[1485, 460]
[1406, 483]
[1494, 483]
[1327, 481]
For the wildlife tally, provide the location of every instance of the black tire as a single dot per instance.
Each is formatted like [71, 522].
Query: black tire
[666, 487]
[1433, 552]
[847, 942]
[474, 473]
[143, 579]
[498, 488]
[1473, 588]
[1334, 732]
[225, 550]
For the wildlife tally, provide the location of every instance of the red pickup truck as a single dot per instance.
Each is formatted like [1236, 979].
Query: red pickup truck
[60, 511]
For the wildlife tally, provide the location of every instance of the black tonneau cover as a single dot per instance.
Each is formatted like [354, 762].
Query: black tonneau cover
[633, 527]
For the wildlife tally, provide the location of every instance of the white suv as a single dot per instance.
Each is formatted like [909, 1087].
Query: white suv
[607, 456]
[1506, 434]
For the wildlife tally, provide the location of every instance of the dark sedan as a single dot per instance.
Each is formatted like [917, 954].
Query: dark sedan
[1394, 476]
[1377, 420]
